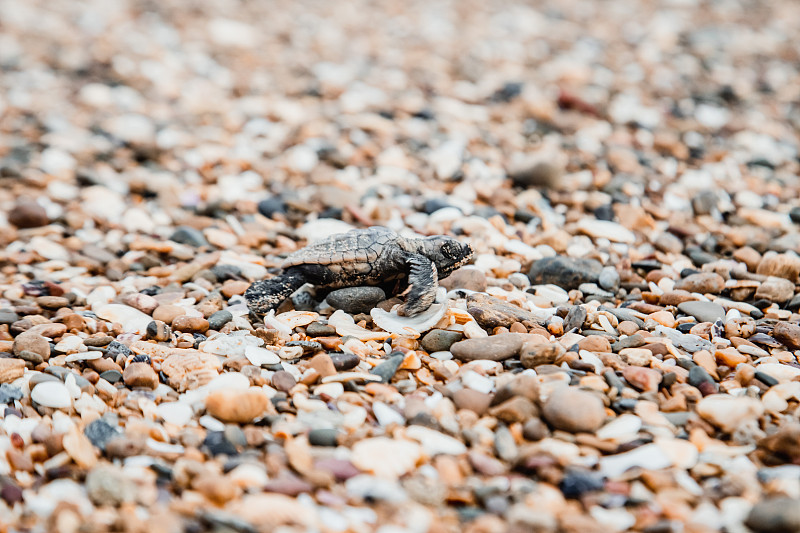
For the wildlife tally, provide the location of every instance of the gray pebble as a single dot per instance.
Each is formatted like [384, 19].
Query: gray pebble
[702, 311]
[219, 319]
[356, 300]
[440, 340]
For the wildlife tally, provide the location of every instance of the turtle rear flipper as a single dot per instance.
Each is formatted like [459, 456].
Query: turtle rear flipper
[423, 282]
[266, 295]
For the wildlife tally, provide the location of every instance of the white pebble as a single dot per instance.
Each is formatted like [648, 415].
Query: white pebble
[52, 394]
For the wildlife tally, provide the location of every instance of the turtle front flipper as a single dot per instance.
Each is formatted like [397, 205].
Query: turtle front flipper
[423, 282]
[265, 295]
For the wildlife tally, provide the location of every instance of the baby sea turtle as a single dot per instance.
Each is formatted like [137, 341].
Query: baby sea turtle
[370, 256]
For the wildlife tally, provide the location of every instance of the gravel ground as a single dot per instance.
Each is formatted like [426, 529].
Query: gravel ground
[621, 355]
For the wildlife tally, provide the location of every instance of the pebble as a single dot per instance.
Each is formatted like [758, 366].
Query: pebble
[775, 290]
[728, 412]
[471, 279]
[28, 214]
[190, 324]
[774, 515]
[704, 283]
[702, 311]
[574, 410]
[494, 348]
[31, 342]
[99, 432]
[11, 370]
[108, 485]
[565, 272]
[238, 406]
[140, 375]
[369, 456]
[219, 319]
[533, 354]
[440, 340]
[355, 300]
[52, 394]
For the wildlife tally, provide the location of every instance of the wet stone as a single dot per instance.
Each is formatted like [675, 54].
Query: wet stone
[355, 300]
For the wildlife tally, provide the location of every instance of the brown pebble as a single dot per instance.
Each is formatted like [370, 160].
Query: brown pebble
[168, 313]
[190, 324]
[233, 288]
[534, 354]
[641, 378]
[52, 302]
[517, 409]
[475, 401]
[140, 375]
[11, 369]
[595, 343]
[28, 214]
[283, 381]
[704, 282]
[239, 406]
[323, 364]
[574, 410]
[31, 342]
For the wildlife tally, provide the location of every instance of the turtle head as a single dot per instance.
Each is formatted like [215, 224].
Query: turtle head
[447, 253]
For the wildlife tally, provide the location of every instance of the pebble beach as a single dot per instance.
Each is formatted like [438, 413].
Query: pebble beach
[620, 355]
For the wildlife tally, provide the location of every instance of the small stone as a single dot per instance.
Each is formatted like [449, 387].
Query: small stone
[575, 318]
[704, 282]
[159, 331]
[7, 316]
[491, 312]
[189, 236]
[440, 340]
[99, 432]
[234, 287]
[609, 279]
[52, 394]
[535, 430]
[785, 266]
[190, 324]
[775, 290]
[52, 302]
[369, 455]
[31, 342]
[516, 409]
[28, 214]
[79, 448]
[702, 311]
[140, 375]
[219, 319]
[475, 401]
[595, 343]
[788, 334]
[323, 437]
[108, 485]
[344, 361]
[435, 442]
[775, 515]
[387, 369]
[644, 379]
[495, 348]
[534, 354]
[606, 229]
[565, 272]
[238, 406]
[143, 302]
[324, 364]
[315, 329]
[730, 412]
[355, 300]
[261, 356]
[468, 278]
[112, 376]
[574, 410]
[168, 313]
[9, 393]
[283, 381]
[10, 370]
[131, 319]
